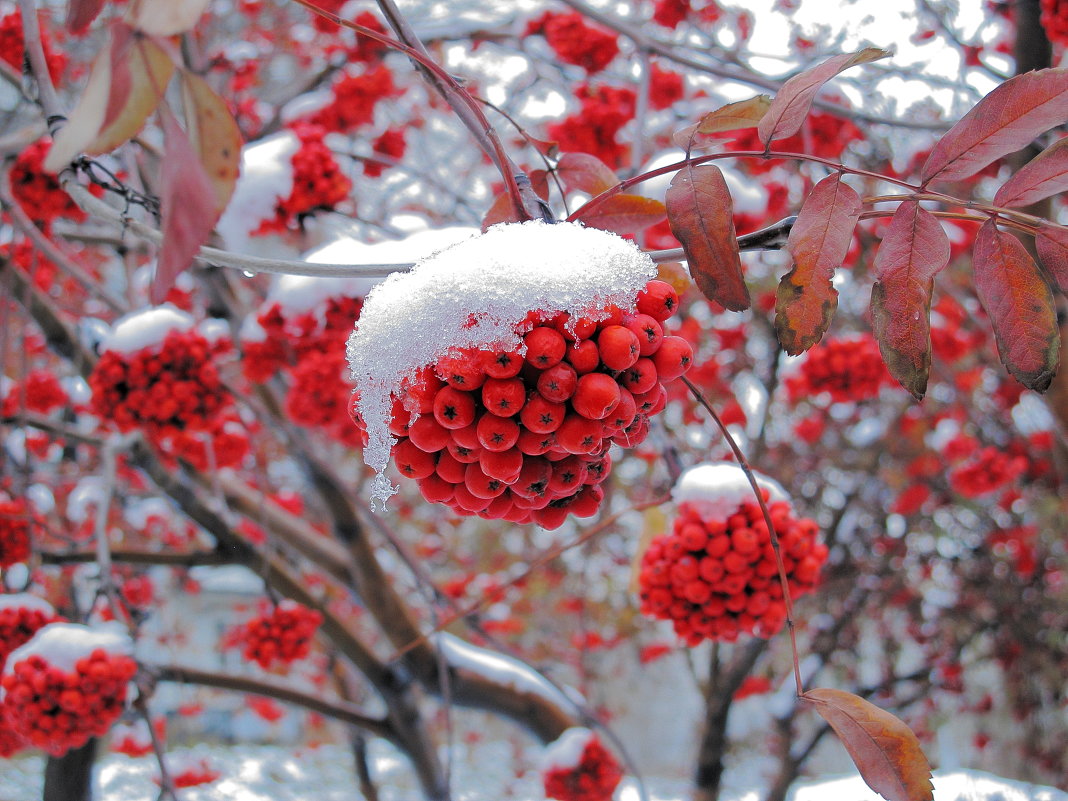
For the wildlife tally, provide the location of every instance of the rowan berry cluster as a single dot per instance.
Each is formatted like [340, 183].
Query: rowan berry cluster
[318, 183]
[605, 110]
[989, 470]
[280, 637]
[58, 710]
[37, 191]
[593, 776]
[574, 41]
[355, 98]
[524, 436]
[164, 389]
[15, 522]
[224, 444]
[846, 369]
[40, 391]
[716, 579]
[20, 621]
[195, 774]
[13, 46]
[390, 144]
[1055, 20]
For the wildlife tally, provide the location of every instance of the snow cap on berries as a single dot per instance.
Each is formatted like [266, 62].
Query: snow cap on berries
[23, 600]
[63, 644]
[577, 767]
[717, 489]
[266, 175]
[565, 752]
[147, 328]
[474, 295]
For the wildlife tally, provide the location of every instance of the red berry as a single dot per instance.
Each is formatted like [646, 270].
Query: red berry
[411, 460]
[618, 347]
[502, 364]
[545, 347]
[649, 332]
[482, 486]
[541, 416]
[579, 435]
[449, 468]
[504, 397]
[502, 465]
[659, 300]
[454, 408]
[673, 358]
[641, 377]
[558, 383]
[428, 434]
[596, 395]
[583, 356]
[497, 433]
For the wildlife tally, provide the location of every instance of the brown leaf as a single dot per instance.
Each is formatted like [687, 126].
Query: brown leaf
[884, 749]
[724, 120]
[1007, 119]
[81, 13]
[819, 241]
[790, 106]
[1051, 241]
[701, 216]
[165, 17]
[140, 72]
[582, 172]
[913, 251]
[214, 135]
[186, 206]
[502, 211]
[1044, 175]
[625, 215]
[1020, 306]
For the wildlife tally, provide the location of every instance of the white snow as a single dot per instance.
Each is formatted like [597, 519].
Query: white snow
[299, 294]
[40, 495]
[213, 329]
[497, 667]
[90, 491]
[63, 644]
[565, 752]
[146, 328]
[717, 489]
[77, 389]
[474, 294]
[266, 176]
[138, 510]
[23, 600]
[235, 579]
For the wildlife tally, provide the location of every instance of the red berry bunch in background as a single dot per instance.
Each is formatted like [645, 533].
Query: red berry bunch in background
[164, 389]
[15, 522]
[40, 391]
[846, 369]
[605, 110]
[988, 470]
[717, 578]
[1055, 20]
[355, 98]
[57, 707]
[21, 615]
[577, 767]
[13, 46]
[282, 636]
[525, 436]
[37, 191]
[574, 41]
[318, 183]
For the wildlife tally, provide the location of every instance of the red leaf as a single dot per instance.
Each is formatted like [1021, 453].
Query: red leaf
[1004, 121]
[582, 172]
[625, 215]
[502, 211]
[701, 216]
[214, 134]
[1046, 174]
[884, 749]
[1020, 306]
[1051, 242]
[818, 242]
[913, 251]
[790, 105]
[186, 206]
[724, 121]
[81, 13]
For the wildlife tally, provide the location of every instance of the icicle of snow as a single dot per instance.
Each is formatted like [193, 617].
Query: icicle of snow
[63, 644]
[146, 328]
[473, 295]
[565, 752]
[717, 489]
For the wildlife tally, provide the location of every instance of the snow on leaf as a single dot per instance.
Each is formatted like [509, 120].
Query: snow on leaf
[884, 749]
[1051, 241]
[165, 17]
[140, 72]
[503, 211]
[214, 135]
[724, 120]
[701, 216]
[913, 251]
[81, 13]
[791, 103]
[818, 242]
[186, 206]
[1020, 306]
[1007, 119]
[623, 214]
[582, 172]
[1046, 174]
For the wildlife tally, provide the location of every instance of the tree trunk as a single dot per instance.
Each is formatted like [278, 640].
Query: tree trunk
[70, 777]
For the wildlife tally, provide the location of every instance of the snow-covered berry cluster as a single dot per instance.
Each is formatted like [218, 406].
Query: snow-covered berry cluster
[1055, 21]
[158, 373]
[318, 182]
[574, 41]
[37, 191]
[354, 101]
[16, 518]
[523, 435]
[715, 574]
[846, 369]
[66, 685]
[577, 767]
[40, 391]
[282, 636]
[21, 616]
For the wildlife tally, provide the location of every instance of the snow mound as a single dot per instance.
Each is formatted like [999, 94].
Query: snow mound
[474, 294]
[565, 752]
[23, 600]
[266, 176]
[146, 328]
[63, 644]
[717, 489]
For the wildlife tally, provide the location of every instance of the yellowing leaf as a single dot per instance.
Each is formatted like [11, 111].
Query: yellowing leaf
[85, 121]
[725, 119]
[885, 751]
[214, 134]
